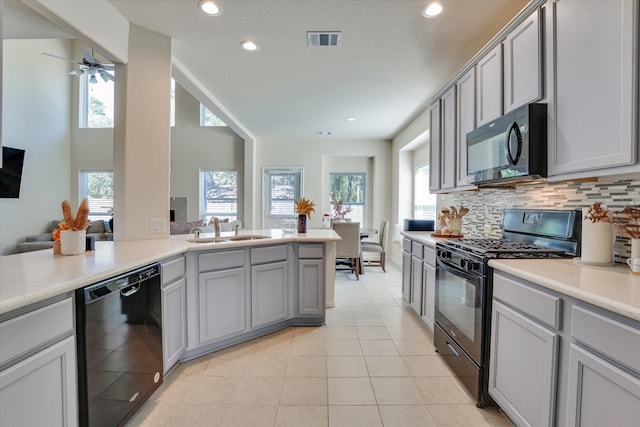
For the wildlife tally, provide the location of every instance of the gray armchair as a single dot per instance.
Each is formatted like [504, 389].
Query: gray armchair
[348, 249]
[378, 247]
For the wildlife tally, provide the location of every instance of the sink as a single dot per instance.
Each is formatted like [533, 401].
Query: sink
[208, 240]
[248, 237]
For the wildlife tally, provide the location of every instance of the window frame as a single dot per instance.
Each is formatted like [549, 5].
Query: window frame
[83, 102]
[205, 214]
[83, 192]
[422, 211]
[363, 204]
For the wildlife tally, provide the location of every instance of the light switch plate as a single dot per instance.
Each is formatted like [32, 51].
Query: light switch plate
[158, 225]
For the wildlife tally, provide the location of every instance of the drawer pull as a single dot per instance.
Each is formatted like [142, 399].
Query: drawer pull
[453, 350]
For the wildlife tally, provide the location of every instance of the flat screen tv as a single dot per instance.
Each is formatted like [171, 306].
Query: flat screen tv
[11, 172]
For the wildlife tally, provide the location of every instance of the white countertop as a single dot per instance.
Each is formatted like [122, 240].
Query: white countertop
[612, 288]
[30, 277]
[423, 237]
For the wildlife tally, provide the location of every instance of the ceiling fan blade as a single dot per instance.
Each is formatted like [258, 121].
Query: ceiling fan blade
[77, 73]
[108, 67]
[89, 57]
[60, 57]
[105, 76]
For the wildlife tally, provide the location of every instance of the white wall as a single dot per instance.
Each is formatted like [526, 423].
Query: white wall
[311, 155]
[194, 148]
[35, 117]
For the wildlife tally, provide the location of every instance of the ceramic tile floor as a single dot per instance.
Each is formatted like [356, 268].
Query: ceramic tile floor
[372, 364]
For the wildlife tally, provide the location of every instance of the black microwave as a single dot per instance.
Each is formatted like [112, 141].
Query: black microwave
[509, 149]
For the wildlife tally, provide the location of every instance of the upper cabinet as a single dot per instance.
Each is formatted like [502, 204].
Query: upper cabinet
[594, 80]
[448, 140]
[522, 68]
[434, 166]
[466, 122]
[489, 86]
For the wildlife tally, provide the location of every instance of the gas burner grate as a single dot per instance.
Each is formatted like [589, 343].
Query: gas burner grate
[498, 247]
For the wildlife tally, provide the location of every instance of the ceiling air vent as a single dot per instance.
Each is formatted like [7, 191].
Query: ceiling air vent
[324, 38]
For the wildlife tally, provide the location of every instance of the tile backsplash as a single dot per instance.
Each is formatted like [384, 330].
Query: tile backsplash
[485, 206]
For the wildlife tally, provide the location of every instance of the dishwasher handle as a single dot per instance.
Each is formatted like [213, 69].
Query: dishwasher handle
[126, 284]
[132, 290]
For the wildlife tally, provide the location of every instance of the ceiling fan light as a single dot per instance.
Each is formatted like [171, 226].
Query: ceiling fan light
[209, 7]
[93, 79]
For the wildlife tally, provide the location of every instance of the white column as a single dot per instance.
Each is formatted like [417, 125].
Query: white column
[142, 138]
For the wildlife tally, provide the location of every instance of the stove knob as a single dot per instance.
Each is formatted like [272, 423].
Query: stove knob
[444, 254]
[472, 266]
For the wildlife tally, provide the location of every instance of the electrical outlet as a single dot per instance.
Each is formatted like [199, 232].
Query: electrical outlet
[158, 225]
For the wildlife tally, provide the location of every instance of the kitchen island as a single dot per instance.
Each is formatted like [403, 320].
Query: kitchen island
[36, 276]
[214, 295]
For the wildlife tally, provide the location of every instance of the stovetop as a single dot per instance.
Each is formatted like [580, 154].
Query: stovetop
[502, 248]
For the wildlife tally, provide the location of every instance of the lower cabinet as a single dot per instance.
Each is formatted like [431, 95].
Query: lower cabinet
[558, 361]
[269, 293]
[41, 390]
[406, 275]
[600, 393]
[174, 322]
[429, 295]
[222, 303]
[310, 287]
[415, 299]
[523, 367]
[38, 380]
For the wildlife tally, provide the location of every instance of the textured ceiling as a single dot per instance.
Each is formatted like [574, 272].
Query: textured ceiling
[391, 62]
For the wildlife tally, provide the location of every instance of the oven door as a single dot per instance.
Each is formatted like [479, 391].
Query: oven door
[458, 307]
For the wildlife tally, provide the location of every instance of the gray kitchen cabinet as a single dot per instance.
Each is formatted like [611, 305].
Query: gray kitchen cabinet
[523, 366]
[466, 122]
[429, 287]
[435, 144]
[522, 49]
[524, 351]
[38, 371]
[269, 285]
[406, 269]
[415, 300]
[269, 293]
[600, 393]
[311, 288]
[593, 101]
[174, 311]
[222, 303]
[448, 140]
[489, 86]
[174, 322]
[604, 371]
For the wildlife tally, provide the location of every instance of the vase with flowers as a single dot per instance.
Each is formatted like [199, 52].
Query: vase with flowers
[72, 231]
[304, 208]
[627, 221]
[597, 236]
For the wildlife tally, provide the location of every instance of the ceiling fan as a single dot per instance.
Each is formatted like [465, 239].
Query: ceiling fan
[88, 65]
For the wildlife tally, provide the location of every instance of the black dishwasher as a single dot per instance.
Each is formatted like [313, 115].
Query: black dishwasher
[119, 342]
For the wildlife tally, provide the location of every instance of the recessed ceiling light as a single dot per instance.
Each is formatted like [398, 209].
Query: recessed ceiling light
[433, 9]
[209, 7]
[249, 45]
[351, 119]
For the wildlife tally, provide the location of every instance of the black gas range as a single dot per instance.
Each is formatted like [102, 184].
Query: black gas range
[464, 285]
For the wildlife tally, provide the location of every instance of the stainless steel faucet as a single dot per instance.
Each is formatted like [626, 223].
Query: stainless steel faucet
[196, 233]
[216, 226]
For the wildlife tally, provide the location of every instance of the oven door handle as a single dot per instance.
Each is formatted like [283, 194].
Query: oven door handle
[458, 272]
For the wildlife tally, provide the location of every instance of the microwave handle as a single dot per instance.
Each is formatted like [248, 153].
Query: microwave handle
[513, 128]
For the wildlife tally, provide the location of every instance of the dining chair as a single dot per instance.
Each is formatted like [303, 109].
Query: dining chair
[348, 248]
[377, 247]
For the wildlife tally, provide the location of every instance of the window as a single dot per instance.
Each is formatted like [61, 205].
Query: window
[424, 203]
[207, 118]
[350, 188]
[96, 103]
[284, 190]
[97, 188]
[219, 191]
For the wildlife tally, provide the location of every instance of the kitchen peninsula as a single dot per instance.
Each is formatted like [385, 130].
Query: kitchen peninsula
[214, 295]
